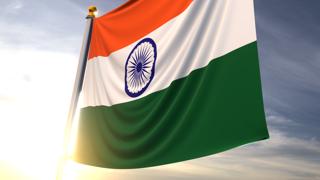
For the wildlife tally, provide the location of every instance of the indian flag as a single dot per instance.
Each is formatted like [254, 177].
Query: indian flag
[168, 81]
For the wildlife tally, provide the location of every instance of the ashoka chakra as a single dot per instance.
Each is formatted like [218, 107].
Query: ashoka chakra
[140, 67]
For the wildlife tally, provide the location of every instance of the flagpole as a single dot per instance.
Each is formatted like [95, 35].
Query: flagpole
[76, 89]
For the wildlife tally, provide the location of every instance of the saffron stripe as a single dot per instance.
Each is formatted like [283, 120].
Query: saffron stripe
[130, 22]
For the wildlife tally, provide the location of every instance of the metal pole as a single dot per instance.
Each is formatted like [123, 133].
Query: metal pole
[76, 90]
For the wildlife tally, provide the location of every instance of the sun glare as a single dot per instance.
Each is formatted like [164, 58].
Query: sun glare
[34, 98]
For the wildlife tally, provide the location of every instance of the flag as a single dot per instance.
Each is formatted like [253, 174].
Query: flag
[168, 81]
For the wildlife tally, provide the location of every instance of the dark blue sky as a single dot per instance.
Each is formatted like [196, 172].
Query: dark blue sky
[289, 47]
[289, 44]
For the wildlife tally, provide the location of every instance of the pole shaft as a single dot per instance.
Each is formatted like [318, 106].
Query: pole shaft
[75, 94]
[79, 79]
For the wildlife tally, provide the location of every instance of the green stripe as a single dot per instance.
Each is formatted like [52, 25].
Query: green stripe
[215, 108]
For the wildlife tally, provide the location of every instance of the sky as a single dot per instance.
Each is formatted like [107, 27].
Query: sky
[40, 43]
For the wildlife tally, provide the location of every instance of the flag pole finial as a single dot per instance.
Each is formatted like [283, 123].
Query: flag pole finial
[92, 11]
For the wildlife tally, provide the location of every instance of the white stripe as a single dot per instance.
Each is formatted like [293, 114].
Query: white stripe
[207, 29]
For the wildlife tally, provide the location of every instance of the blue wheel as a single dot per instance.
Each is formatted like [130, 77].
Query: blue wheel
[140, 67]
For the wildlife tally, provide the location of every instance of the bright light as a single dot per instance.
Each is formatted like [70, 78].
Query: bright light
[35, 94]
[96, 13]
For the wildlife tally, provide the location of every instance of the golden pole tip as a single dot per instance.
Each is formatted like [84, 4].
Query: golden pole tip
[93, 11]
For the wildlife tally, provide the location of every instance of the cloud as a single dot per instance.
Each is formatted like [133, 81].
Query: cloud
[13, 7]
[42, 25]
[288, 41]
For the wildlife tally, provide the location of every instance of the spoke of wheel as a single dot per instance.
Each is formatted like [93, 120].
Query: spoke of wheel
[145, 71]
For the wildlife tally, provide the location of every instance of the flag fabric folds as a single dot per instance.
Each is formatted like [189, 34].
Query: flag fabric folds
[168, 81]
